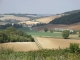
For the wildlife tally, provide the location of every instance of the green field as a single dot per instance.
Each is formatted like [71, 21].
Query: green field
[46, 34]
[39, 33]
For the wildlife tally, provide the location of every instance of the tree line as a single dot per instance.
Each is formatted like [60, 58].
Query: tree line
[8, 25]
[13, 35]
[69, 19]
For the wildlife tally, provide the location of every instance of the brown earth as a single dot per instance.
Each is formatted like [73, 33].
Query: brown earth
[21, 46]
[49, 43]
[75, 26]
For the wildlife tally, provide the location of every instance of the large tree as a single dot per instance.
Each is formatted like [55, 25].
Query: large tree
[65, 34]
[45, 29]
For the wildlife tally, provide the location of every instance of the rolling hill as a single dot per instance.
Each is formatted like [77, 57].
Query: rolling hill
[14, 17]
[47, 19]
[75, 26]
[68, 19]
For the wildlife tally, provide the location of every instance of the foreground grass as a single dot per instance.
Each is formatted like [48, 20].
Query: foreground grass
[43, 54]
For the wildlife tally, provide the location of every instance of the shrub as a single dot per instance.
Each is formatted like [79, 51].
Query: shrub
[51, 31]
[74, 47]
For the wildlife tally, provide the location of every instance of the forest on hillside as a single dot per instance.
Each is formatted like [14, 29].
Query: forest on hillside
[69, 19]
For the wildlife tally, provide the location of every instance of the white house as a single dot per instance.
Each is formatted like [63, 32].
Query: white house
[62, 29]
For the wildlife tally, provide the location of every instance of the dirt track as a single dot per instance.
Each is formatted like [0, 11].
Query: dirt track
[50, 43]
[21, 46]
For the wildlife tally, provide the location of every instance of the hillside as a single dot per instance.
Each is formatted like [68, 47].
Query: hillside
[47, 19]
[72, 12]
[69, 19]
[75, 26]
[13, 17]
[19, 16]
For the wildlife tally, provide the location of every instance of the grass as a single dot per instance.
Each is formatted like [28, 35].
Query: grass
[39, 33]
[47, 34]
[46, 54]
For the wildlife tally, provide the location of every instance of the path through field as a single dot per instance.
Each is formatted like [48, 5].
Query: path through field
[49, 43]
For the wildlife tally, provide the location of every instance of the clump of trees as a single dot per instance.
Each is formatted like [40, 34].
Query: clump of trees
[65, 34]
[13, 35]
[9, 25]
[39, 24]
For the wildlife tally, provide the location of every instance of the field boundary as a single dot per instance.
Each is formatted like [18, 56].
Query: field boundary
[37, 43]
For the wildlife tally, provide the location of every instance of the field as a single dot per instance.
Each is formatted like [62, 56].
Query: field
[21, 46]
[47, 19]
[53, 43]
[14, 17]
[47, 46]
[75, 26]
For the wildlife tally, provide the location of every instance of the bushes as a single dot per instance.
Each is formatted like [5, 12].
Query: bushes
[44, 54]
[74, 47]
[13, 35]
[3, 37]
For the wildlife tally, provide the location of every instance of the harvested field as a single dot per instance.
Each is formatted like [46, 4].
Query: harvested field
[14, 17]
[21, 46]
[49, 43]
[47, 19]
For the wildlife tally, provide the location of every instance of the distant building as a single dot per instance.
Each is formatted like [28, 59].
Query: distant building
[28, 23]
[62, 29]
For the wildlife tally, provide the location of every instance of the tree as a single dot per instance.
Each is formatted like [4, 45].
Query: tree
[51, 31]
[45, 29]
[3, 37]
[10, 30]
[65, 34]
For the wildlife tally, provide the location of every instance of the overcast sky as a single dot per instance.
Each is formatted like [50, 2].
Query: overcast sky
[38, 6]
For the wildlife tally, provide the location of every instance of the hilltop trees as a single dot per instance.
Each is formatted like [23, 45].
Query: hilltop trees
[65, 34]
[68, 19]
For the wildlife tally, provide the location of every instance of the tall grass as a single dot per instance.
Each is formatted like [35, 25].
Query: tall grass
[43, 54]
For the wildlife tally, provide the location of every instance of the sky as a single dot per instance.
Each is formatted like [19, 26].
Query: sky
[38, 6]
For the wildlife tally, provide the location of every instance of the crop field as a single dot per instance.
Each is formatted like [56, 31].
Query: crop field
[20, 46]
[14, 17]
[52, 43]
